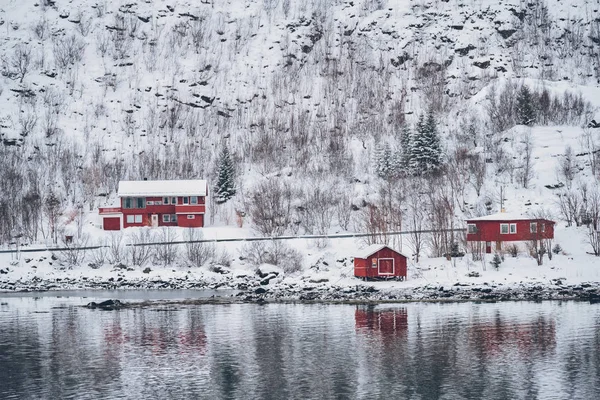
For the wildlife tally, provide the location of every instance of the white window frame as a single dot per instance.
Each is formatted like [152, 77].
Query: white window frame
[138, 218]
[512, 232]
[158, 203]
[166, 200]
[166, 217]
[471, 228]
[174, 201]
[130, 200]
[150, 203]
[533, 227]
[191, 216]
[502, 226]
[194, 200]
[173, 217]
[185, 200]
[130, 219]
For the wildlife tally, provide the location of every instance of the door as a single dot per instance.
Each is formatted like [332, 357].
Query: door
[386, 266]
[488, 247]
[111, 223]
[154, 220]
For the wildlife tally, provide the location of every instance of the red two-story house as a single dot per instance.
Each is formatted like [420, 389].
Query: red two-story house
[157, 203]
[505, 227]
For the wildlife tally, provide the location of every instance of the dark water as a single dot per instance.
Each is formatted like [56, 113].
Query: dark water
[52, 349]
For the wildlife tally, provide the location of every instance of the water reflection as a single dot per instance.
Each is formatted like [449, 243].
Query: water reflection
[49, 348]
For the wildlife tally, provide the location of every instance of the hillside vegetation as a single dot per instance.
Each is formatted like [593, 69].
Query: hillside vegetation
[368, 116]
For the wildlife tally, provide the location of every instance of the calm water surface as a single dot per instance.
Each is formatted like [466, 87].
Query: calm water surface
[51, 348]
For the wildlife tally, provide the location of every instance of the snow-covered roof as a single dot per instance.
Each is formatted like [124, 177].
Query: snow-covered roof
[503, 216]
[372, 249]
[162, 188]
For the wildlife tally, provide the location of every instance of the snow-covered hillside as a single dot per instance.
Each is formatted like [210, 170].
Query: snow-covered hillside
[312, 98]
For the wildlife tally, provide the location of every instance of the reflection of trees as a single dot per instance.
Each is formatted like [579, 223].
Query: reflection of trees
[20, 355]
[303, 351]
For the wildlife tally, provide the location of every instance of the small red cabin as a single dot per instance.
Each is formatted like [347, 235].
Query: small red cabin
[157, 203]
[378, 261]
[505, 227]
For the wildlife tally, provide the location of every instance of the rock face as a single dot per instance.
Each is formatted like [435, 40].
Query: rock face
[107, 305]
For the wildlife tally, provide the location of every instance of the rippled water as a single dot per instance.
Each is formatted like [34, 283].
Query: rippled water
[52, 348]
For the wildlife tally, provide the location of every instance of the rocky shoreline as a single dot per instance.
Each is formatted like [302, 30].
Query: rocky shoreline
[247, 290]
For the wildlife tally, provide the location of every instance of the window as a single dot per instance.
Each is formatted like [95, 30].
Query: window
[186, 200]
[166, 200]
[173, 217]
[513, 228]
[504, 229]
[128, 202]
[140, 202]
[166, 218]
[138, 219]
[471, 228]
[173, 200]
[157, 203]
[543, 227]
[150, 203]
[194, 200]
[191, 216]
[130, 219]
[533, 227]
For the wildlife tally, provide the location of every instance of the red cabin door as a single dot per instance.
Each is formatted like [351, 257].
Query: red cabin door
[111, 223]
[386, 266]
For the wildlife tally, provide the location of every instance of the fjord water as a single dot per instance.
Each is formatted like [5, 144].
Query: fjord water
[52, 348]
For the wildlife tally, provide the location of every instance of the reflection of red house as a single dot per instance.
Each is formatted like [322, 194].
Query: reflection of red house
[380, 262]
[384, 321]
[505, 227]
[157, 203]
[525, 337]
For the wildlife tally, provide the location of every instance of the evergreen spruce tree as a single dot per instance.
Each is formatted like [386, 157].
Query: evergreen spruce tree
[425, 149]
[225, 188]
[384, 167]
[526, 113]
[405, 143]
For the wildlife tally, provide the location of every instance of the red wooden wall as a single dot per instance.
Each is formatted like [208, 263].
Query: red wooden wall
[363, 267]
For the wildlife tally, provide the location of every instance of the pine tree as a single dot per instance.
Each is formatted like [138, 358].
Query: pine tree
[526, 114]
[425, 148]
[384, 167]
[225, 188]
[405, 150]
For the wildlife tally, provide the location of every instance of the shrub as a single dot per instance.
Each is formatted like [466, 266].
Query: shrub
[496, 261]
[557, 249]
[513, 250]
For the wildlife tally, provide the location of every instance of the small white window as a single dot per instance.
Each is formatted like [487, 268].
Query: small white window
[194, 200]
[166, 200]
[173, 200]
[471, 228]
[173, 217]
[130, 219]
[138, 219]
[504, 229]
[186, 200]
[513, 228]
[533, 227]
[150, 203]
[158, 203]
[166, 218]
[191, 216]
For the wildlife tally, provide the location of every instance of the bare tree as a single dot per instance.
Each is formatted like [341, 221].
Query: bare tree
[115, 248]
[569, 203]
[198, 252]
[75, 251]
[166, 252]
[567, 167]
[271, 207]
[140, 252]
[525, 171]
[68, 50]
[17, 65]
[416, 222]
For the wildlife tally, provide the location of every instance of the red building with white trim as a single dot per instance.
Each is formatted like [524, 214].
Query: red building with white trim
[378, 261]
[157, 203]
[504, 227]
